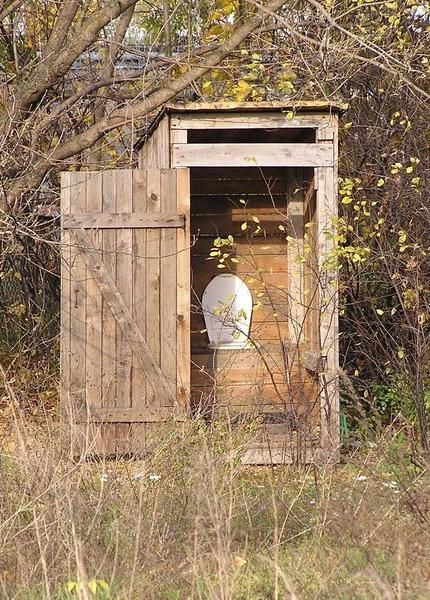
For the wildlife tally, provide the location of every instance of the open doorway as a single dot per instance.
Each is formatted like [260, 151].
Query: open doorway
[251, 222]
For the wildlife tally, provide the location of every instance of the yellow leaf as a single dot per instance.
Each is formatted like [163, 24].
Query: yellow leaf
[380, 182]
[243, 89]
[239, 561]
[380, 312]
[347, 126]
[220, 266]
[244, 226]
[215, 30]
[255, 219]
[70, 586]
[92, 585]
[103, 585]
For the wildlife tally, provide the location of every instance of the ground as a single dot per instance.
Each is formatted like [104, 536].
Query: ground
[192, 522]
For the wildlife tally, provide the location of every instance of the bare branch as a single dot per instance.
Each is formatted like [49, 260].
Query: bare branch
[121, 116]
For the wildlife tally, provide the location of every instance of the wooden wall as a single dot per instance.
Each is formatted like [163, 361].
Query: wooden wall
[267, 378]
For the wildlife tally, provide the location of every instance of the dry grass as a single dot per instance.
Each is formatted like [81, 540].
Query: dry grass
[191, 522]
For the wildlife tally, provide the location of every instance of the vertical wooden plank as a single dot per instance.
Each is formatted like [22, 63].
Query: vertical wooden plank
[78, 400]
[139, 382]
[94, 344]
[183, 270]
[65, 340]
[124, 241]
[155, 154]
[94, 335]
[328, 294]
[108, 320]
[152, 295]
[168, 287]
[295, 256]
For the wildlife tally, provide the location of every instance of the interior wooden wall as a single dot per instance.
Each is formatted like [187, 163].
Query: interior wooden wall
[263, 379]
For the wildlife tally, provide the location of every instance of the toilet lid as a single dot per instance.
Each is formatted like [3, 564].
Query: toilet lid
[227, 306]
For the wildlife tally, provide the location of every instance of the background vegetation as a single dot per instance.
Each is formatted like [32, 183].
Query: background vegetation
[80, 81]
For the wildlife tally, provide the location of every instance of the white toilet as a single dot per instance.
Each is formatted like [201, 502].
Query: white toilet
[227, 310]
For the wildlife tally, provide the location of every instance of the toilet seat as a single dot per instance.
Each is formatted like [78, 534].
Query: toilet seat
[227, 310]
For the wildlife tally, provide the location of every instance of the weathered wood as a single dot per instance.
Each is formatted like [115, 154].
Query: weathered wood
[242, 155]
[183, 270]
[123, 269]
[128, 415]
[124, 283]
[103, 220]
[152, 294]
[275, 105]
[168, 285]
[139, 378]
[178, 135]
[263, 120]
[123, 316]
[155, 153]
[65, 299]
[77, 304]
[295, 229]
[94, 340]
[108, 350]
[328, 297]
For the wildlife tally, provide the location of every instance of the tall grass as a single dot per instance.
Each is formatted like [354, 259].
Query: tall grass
[190, 522]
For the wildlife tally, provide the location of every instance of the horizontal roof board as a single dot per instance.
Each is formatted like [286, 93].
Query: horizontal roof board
[170, 108]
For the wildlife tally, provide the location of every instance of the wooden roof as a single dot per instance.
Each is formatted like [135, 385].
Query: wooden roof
[296, 105]
[169, 108]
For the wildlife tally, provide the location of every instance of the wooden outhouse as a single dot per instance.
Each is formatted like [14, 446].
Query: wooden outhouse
[234, 189]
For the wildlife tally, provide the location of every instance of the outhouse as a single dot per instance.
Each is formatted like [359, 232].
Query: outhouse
[203, 283]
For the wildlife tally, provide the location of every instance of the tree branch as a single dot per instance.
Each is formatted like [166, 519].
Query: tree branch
[55, 66]
[120, 117]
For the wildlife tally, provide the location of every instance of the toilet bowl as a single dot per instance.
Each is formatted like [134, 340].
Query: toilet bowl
[227, 310]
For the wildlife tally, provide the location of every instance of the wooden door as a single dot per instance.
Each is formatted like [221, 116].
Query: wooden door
[125, 350]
